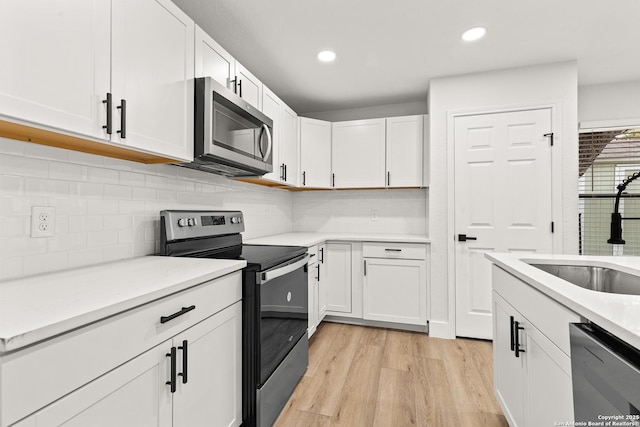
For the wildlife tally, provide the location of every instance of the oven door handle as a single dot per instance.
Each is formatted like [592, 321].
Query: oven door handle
[278, 272]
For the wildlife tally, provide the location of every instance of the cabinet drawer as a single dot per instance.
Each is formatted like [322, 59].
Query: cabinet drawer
[394, 250]
[38, 375]
[548, 316]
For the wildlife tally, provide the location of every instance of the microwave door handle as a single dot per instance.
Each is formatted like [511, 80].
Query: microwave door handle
[265, 128]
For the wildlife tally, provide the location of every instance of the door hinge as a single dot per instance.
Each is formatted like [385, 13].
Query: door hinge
[552, 226]
[550, 135]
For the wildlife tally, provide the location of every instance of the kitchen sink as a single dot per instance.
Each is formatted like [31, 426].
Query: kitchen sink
[601, 279]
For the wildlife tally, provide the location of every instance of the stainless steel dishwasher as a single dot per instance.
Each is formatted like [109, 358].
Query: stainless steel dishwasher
[606, 376]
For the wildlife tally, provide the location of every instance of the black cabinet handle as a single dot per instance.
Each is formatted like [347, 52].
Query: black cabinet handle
[322, 255]
[304, 178]
[318, 271]
[240, 87]
[464, 238]
[123, 118]
[172, 381]
[285, 171]
[388, 178]
[165, 319]
[109, 125]
[235, 85]
[517, 328]
[333, 179]
[183, 374]
[513, 345]
[282, 172]
[393, 250]
[365, 267]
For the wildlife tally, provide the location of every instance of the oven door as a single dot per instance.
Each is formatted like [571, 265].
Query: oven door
[284, 312]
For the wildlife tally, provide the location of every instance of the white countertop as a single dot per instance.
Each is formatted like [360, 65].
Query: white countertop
[310, 239]
[618, 314]
[39, 307]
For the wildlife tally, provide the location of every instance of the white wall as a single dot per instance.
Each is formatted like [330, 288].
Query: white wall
[108, 209]
[396, 211]
[605, 102]
[391, 110]
[545, 84]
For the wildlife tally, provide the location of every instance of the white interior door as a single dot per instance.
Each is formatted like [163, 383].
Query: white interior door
[502, 199]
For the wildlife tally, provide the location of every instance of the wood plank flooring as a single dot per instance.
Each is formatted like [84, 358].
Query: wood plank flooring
[361, 376]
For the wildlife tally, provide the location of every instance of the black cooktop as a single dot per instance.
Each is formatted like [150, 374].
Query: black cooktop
[264, 257]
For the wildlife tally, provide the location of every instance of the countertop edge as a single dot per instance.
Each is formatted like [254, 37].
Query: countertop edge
[311, 238]
[579, 300]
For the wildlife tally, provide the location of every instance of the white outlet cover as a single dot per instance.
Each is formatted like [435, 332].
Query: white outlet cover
[43, 219]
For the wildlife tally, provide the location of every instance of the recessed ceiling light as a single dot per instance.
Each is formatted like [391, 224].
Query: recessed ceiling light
[474, 33]
[327, 56]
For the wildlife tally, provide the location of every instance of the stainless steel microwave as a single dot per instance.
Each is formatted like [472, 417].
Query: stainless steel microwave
[232, 137]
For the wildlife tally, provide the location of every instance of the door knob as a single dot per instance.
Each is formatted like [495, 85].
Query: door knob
[464, 238]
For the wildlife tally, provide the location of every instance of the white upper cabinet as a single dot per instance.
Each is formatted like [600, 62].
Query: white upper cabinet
[152, 72]
[55, 63]
[315, 153]
[212, 60]
[285, 139]
[404, 151]
[247, 86]
[112, 70]
[358, 154]
[289, 145]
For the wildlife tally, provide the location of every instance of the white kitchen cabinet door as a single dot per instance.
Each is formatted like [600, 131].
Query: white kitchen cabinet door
[549, 389]
[289, 144]
[212, 60]
[358, 154]
[56, 63]
[248, 87]
[395, 290]
[134, 394]
[211, 392]
[312, 279]
[153, 71]
[339, 277]
[508, 375]
[404, 144]
[323, 294]
[315, 153]
[272, 108]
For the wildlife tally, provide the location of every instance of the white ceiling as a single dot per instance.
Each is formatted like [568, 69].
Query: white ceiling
[389, 50]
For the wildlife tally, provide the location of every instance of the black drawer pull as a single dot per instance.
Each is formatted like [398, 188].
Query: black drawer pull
[123, 118]
[183, 374]
[165, 319]
[109, 126]
[517, 328]
[513, 343]
[172, 381]
[393, 250]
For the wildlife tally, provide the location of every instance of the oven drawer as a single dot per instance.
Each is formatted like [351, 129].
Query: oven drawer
[394, 250]
[38, 375]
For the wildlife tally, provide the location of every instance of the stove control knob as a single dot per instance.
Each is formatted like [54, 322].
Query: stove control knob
[182, 222]
[191, 222]
[234, 220]
[239, 220]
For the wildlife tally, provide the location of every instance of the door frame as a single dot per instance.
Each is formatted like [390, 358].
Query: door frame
[556, 184]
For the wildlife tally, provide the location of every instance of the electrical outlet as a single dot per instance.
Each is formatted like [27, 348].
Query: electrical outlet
[43, 221]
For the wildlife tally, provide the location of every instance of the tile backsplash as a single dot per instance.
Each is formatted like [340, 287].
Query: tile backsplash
[108, 209]
[362, 211]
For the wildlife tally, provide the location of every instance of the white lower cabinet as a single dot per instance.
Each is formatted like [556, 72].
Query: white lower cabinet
[395, 283]
[192, 377]
[317, 287]
[339, 277]
[531, 354]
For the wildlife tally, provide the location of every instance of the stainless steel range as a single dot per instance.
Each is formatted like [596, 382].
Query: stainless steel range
[275, 304]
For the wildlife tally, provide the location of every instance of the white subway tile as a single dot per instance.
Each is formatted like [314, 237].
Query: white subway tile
[167, 196]
[102, 207]
[85, 223]
[12, 146]
[86, 159]
[68, 242]
[11, 268]
[102, 238]
[69, 206]
[117, 252]
[126, 236]
[89, 190]
[13, 226]
[144, 194]
[86, 257]
[120, 192]
[130, 207]
[23, 166]
[11, 205]
[131, 179]
[39, 151]
[154, 181]
[11, 185]
[144, 248]
[22, 246]
[67, 171]
[102, 175]
[118, 222]
[46, 187]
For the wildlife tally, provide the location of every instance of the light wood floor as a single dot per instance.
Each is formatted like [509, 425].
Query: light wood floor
[360, 376]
